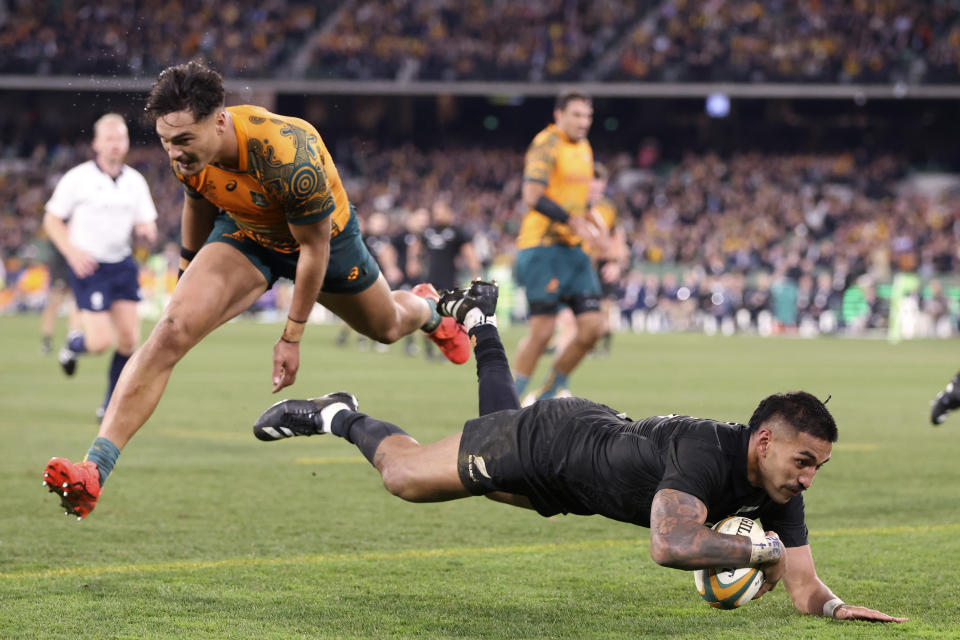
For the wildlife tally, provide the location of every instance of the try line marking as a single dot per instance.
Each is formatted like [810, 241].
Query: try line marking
[197, 565]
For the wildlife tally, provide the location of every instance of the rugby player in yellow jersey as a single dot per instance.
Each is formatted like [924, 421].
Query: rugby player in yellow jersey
[263, 201]
[551, 264]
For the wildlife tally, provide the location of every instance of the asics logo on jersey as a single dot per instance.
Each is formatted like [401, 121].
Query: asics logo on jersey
[231, 185]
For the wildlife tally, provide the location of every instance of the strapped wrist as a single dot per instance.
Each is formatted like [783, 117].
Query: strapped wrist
[187, 254]
[766, 552]
[830, 607]
[293, 330]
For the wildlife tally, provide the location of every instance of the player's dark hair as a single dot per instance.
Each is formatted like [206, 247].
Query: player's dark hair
[802, 410]
[567, 97]
[192, 87]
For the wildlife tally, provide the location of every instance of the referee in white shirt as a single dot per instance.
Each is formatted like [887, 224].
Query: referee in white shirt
[94, 210]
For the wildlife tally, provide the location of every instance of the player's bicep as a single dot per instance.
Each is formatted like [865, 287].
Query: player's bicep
[199, 208]
[313, 234]
[671, 508]
[196, 222]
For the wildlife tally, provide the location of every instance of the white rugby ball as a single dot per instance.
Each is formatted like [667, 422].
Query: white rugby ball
[729, 588]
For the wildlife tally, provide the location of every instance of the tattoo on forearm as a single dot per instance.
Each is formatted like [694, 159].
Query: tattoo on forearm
[678, 517]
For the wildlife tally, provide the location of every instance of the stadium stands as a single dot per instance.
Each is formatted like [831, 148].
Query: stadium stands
[869, 41]
[716, 238]
[242, 38]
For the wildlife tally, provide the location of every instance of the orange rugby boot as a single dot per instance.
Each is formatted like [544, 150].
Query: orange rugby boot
[77, 484]
[450, 337]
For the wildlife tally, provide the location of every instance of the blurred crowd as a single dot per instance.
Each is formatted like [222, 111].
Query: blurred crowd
[808, 41]
[888, 41]
[241, 38]
[753, 241]
[478, 39]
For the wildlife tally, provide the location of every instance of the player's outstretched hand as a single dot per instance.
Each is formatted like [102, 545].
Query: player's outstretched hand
[286, 361]
[851, 612]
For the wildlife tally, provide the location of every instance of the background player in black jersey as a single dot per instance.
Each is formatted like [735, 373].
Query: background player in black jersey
[672, 474]
[443, 245]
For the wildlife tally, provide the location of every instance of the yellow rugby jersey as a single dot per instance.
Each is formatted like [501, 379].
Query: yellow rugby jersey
[286, 175]
[566, 168]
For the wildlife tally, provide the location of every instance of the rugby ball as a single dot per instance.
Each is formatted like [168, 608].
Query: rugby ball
[729, 588]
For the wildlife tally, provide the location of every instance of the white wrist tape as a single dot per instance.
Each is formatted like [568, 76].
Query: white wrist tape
[766, 552]
[830, 606]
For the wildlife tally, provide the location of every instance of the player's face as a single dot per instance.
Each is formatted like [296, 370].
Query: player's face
[190, 143]
[442, 213]
[789, 461]
[111, 142]
[575, 119]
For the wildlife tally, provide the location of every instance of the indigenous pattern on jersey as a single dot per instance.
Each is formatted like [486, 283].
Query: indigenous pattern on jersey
[286, 175]
[572, 455]
[566, 168]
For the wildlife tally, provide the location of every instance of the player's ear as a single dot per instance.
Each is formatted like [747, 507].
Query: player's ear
[764, 435]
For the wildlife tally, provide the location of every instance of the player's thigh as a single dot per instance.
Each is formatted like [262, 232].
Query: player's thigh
[591, 325]
[371, 312]
[540, 327]
[126, 322]
[97, 329]
[220, 283]
[433, 468]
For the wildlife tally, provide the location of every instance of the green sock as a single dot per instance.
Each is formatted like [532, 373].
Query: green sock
[435, 318]
[521, 383]
[105, 454]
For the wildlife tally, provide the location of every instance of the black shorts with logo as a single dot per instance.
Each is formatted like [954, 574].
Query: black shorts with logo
[537, 451]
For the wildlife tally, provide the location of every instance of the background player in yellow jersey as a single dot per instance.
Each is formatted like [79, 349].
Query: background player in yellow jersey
[263, 200]
[551, 264]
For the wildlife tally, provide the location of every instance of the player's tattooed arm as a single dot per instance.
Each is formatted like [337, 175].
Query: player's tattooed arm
[679, 538]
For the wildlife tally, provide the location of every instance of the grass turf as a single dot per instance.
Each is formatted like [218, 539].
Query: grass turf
[205, 532]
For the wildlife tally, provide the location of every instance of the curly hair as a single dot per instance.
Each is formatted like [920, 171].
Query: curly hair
[802, 410]
[192, 87]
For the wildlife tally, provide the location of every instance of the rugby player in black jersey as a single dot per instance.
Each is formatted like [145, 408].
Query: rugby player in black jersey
[673, 474]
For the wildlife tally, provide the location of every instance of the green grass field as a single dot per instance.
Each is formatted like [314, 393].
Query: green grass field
[205, 532]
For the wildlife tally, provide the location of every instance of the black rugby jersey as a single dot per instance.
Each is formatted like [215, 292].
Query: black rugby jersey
[442, 245]
[584, 458]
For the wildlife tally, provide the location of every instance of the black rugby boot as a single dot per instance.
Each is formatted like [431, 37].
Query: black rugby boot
[289, 418]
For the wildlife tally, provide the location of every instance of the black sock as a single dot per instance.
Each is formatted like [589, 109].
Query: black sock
[365, 432]
[116, 366]
[496, 389]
